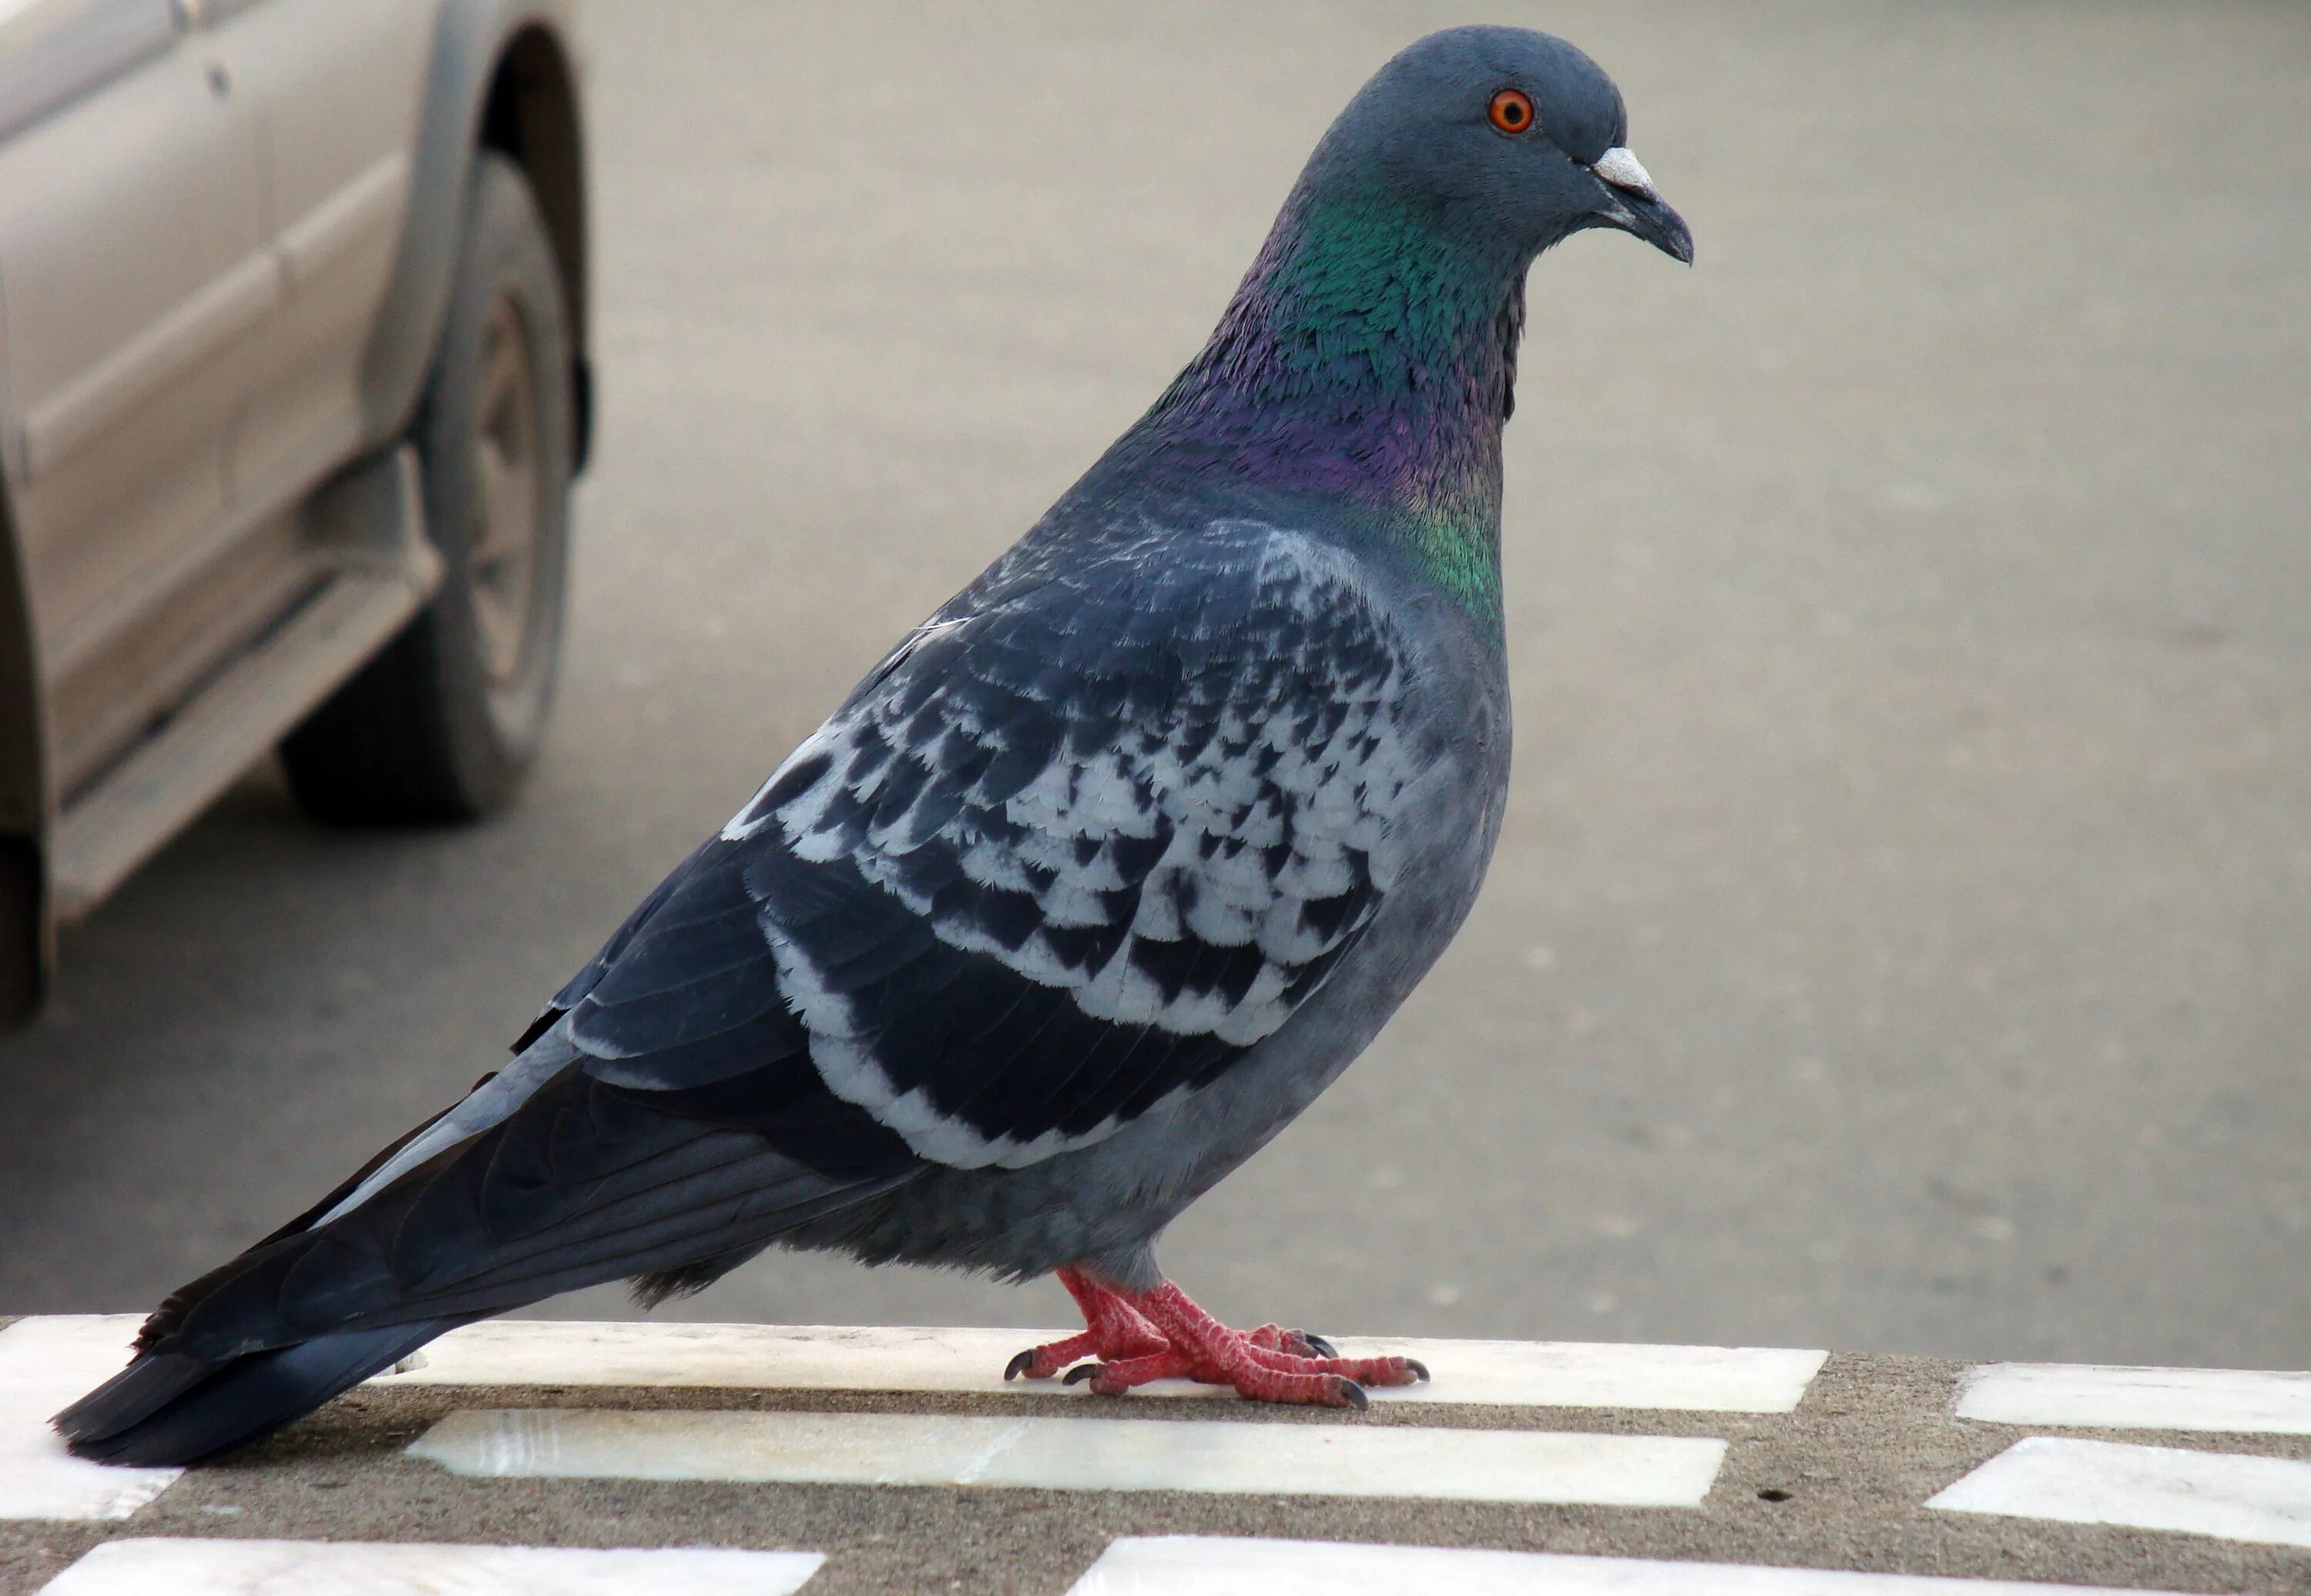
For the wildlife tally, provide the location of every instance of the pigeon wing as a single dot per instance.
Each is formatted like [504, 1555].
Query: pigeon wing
[1083, 840]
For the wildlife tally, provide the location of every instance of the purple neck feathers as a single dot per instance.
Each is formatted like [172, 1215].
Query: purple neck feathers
[1367, 355]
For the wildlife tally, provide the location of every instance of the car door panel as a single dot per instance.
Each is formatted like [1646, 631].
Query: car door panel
[338, 89]
[134, 275]
[221, 314]
[52, 53]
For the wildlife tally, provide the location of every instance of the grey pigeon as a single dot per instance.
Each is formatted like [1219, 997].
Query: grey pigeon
[1096, 880]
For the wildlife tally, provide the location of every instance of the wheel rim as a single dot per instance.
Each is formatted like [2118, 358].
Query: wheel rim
[502, 538]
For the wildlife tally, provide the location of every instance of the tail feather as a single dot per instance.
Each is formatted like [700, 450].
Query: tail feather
[358, 1272]
[582, 1183]
[167, 1408]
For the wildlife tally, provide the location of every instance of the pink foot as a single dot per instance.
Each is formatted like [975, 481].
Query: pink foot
[1267, 1364]
[1113, 1331]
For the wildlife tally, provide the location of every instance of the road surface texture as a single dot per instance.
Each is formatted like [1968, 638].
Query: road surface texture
[1901, 933]
[903, 1459]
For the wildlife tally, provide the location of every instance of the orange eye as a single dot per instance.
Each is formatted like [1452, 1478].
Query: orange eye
[1512, 110]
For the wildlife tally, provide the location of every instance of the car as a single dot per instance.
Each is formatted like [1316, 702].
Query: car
[293, 383]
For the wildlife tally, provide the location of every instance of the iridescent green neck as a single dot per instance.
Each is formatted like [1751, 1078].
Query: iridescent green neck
[1369, 355]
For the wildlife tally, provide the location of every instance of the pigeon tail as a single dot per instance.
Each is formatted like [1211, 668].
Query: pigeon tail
[168, 1408]
[580, 1184]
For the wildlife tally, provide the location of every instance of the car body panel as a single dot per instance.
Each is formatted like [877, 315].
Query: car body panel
[338, 91]
[134, 275]
[227, 231]
[489, 56]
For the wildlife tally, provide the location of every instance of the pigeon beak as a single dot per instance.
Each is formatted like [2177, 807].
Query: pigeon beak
[1631, 205]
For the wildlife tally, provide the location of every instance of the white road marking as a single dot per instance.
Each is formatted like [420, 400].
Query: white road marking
[137, 1567]
[45, 1364]
[2145, 1488]
[848, 1357]
[2241, 1401]
[1339, 1459]
[1166, 1565]
[840, 1357]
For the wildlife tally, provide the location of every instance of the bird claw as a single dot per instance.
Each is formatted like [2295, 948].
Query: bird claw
[1131, 1339]
[1292, 1343]
[1302, 1343]
[1041, 1363]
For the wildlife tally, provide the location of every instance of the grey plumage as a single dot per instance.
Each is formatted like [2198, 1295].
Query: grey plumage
[1094, 883]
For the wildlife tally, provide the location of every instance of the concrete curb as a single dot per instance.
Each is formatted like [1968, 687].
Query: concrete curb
[900, 1460]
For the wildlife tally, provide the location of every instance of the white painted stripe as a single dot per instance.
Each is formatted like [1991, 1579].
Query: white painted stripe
[1168, 1566]
[840, 1357]
[2145, 1488]
[2241, 1401]
[139, 1567]
[1336, 1459]
[45, 1364]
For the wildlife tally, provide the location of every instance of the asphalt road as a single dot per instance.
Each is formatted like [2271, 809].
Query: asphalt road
[1901, 935]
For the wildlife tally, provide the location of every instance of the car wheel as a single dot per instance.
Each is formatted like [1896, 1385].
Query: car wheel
[23, 962]
[445, 722]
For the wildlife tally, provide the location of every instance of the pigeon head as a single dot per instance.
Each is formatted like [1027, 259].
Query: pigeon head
[1368, 359]
[1499, 132]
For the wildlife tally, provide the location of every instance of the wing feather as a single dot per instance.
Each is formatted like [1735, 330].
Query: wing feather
[1077, 845]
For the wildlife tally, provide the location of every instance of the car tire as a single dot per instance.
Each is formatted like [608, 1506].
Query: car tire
[445, 722]
[23, 922]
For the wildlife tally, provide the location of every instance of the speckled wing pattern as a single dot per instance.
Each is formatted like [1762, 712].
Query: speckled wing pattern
[1087, 836]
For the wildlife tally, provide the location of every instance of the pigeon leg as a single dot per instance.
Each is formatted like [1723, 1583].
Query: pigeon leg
[1266, 1364]
[1114, 1331]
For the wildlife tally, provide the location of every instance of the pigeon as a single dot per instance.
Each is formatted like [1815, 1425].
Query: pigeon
[1091, 886]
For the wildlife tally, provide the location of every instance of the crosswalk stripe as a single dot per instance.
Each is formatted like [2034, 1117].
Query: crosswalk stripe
[44, 1364]
[2145, 1487]
[1339, 1459]
[1166, 1565]
[848, 1357]
[138, 1567]
[840, 1357]
[2240, 1402]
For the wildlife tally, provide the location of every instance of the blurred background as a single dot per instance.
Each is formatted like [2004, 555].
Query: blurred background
[1901, 934]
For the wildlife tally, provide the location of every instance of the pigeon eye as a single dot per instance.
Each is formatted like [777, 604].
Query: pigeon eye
[1512, 110]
